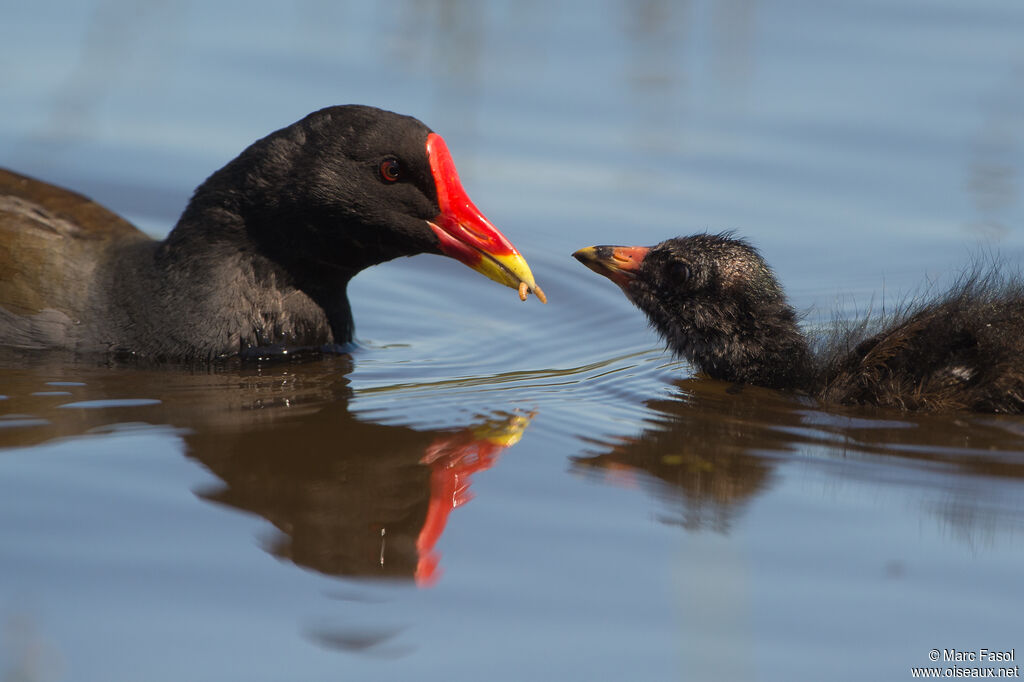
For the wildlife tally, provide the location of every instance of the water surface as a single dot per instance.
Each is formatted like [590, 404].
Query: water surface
[486, 489]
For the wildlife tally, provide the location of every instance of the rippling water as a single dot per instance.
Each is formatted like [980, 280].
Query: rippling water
[491, 489]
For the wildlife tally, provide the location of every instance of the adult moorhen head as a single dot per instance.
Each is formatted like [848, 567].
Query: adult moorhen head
[259, 261]
[717, 303]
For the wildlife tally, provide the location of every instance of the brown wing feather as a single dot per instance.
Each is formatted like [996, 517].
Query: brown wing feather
[51, 242]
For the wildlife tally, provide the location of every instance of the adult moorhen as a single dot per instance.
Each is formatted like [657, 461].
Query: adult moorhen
[259, 261]
[718, 304]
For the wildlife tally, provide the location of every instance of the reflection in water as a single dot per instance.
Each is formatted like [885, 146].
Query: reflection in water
[716, 447]
[349, 497]
[452, 460]
[995, 173]
[121, 40]
[25, 653]
[655, 32]
[736, 30]
[704, 452]
[353, 498]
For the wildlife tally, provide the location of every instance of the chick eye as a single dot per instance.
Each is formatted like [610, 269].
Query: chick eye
[680, 272]
[390, 170]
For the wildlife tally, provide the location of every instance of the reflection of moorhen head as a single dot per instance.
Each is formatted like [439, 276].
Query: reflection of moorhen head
[717, 303]
[356, 499]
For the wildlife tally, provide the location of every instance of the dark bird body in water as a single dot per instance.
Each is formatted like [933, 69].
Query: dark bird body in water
[717, 303]
[259, 262]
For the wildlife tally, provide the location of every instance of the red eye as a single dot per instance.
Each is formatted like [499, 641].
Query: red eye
[390, 170]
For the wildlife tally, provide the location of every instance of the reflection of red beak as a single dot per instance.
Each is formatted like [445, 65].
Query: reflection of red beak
[452, 460]
[465, 234]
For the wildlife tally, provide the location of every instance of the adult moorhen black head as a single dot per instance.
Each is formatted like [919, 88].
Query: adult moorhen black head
[259, 261]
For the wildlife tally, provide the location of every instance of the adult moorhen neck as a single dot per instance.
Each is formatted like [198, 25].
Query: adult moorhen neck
[260, 259]
[718, 304]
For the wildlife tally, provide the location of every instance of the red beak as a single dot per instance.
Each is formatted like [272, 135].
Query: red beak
[466, 235]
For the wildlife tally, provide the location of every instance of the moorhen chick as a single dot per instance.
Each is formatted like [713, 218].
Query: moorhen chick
[259, 261]
[717, 303]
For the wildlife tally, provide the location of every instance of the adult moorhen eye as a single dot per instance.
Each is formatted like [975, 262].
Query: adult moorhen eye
[390, 170]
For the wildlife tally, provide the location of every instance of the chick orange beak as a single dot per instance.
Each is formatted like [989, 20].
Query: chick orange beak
[618, 263]
[466, 235]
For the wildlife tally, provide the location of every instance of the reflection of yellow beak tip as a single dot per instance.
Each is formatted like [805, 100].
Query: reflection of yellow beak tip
[505, 432]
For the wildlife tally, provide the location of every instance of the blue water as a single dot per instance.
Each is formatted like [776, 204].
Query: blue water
[622, 520]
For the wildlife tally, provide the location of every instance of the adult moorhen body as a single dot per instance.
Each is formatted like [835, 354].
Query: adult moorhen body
[259, 261]
[718, 304]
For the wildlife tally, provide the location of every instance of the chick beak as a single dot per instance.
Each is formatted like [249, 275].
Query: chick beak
[620, 264]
